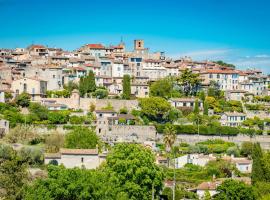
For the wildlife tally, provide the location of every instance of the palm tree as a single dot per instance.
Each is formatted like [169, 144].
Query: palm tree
[169, 137]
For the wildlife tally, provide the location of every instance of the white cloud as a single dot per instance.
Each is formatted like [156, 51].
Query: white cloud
[203, 54]
[262, 56]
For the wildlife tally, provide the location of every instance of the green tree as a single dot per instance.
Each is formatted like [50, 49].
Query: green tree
[202, 95]
[87, 84]
[222, 63]
[54, 142]
[196, 107]
[169, 136]
[126, 87]
[13, 174]
[73, 184]
[163, 88]
[101, 93]
[190, 82]
[81, 138]
[246, 148]
[58, 117]
[14, 118]
[40, 111]
[257, 165]
[132, 168]
[155, 108]
[205, 108]
[71, 86]
[214, 90]
[231, 190]
[23, 99]
[8, 96]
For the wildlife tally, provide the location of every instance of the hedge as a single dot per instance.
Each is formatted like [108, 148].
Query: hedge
[209, 130]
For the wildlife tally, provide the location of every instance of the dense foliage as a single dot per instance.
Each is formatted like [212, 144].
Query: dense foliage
[87, 84]
[235, 190]
[155, 108]
[81, 138]
[129, 173]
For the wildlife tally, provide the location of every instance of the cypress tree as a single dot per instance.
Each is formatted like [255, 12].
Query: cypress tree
[196, 107]
[205, 108]
[257, 173]
[126, 87]
[87, 84]
[90, 81]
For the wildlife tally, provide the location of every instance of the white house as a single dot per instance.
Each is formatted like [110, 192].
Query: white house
[236, 95]
[185, 102]
[243, 164]
[32, 85]
[117, 69]
[232, 119]
[70, 158]
[195, 159]
[207, 186]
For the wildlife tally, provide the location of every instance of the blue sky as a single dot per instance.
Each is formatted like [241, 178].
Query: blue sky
[237, 31]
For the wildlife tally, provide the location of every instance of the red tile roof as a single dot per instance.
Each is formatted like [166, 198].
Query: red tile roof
[95, 46]
[208, 186]
[219, 71]
[37, 47]
[79, 151]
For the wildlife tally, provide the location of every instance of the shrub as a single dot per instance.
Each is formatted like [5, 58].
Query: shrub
[76, 119]
[54, 142]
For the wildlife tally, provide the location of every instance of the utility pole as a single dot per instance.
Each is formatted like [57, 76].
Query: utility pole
[174, 177]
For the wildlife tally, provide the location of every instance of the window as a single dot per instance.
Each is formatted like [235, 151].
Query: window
[82, 159]
[24, 87]
[53, 76]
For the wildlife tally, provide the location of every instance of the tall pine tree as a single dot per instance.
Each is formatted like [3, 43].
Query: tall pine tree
[257, 173]
[126, 87]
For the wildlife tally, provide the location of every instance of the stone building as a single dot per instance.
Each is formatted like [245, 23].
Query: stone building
[70, 158]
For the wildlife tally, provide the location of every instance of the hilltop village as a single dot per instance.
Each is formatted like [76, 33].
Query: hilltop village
[102, 122]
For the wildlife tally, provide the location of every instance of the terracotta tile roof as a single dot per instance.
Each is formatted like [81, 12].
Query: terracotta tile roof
[117, 47]
[234, 114]
[79, 151]
[37, 46]
[152, 61]
[79, 68]
[52, 155]
[95, 46]
[208, 185]
[184, 99]
[219, 71]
